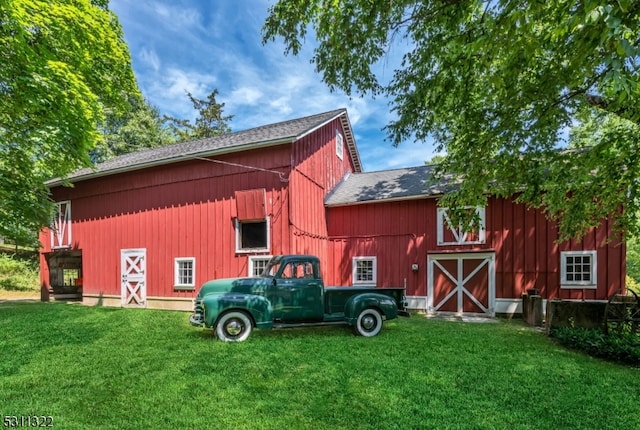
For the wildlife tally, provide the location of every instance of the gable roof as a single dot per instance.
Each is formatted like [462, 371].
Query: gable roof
[386, 185]
[258, 137]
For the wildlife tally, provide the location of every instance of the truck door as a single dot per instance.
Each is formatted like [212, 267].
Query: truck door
[298, 292]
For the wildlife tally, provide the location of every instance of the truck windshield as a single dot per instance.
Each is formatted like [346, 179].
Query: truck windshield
[272, 267]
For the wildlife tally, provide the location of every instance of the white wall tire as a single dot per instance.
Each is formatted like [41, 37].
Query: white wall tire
[234, 326]
[369, 323]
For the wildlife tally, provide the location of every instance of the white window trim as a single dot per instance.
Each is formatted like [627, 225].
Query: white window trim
[176, 273]
[354, 271]
[61, 226]
[252, 260]
[460, 236]
[252, 250]
[339, 144]
[592, 284]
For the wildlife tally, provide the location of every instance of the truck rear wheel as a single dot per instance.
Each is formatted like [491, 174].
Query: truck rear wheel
[234, 326]
[369, 323]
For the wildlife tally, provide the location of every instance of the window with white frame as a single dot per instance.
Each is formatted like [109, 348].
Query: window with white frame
[185, 273]
[449, 234]
[578, 269]
[258, 264]
[364, 270]
[339, 144]
[252, 236]
[61, 226]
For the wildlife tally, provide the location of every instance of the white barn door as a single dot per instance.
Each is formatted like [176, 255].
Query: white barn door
[133, 267]
[461, 284]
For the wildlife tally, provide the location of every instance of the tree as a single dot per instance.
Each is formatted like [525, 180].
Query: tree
[497, 85]
[210, 121]
[141, 127]
[633, 260]
[62, 63]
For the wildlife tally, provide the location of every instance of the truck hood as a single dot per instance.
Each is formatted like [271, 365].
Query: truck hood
[234, 285]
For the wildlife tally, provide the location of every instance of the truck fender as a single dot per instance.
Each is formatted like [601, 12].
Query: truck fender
[258, 308]
[387, 305]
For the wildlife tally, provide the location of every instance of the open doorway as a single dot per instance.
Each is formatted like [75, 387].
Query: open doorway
[65, 274]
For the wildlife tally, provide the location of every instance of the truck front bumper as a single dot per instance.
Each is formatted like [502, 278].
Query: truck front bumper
[196, 319]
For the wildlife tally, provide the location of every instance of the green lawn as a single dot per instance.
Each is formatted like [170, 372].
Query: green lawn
[114, 368]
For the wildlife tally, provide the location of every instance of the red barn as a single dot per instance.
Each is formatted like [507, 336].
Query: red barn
[406, 239]
[145, 229]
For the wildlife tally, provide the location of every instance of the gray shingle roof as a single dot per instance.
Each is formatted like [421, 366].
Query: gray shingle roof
[397, 184]
[266, 135]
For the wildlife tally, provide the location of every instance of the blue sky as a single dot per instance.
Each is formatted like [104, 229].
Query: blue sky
[199, 45]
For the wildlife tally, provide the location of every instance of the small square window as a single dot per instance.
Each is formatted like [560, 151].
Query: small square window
[364, 270]
[578, 269]
[252, 236]
[185, 273]
[257, 265]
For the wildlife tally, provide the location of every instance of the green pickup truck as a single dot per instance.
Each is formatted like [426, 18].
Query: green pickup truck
[290, 293]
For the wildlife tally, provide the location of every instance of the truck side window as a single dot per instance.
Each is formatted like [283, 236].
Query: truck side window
[308, 270]
[298, 270]
[288, 271]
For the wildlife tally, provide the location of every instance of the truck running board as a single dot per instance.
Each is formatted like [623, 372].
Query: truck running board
[318, 324]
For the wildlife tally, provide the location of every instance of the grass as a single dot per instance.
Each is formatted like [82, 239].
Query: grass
[112, 368]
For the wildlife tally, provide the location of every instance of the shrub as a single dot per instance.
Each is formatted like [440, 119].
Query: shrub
[18, 274]
[632, 284]
[617, 347]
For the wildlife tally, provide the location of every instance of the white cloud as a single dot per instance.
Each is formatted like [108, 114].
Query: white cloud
[406, 154]
[168, 90]
[150, 58]
[178, 17]
[246, 96]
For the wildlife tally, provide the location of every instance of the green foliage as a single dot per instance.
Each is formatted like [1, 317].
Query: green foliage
[140, 127]
[633, 258]
[18, 274]
[62, 64]
[617, 347]
[209, 122]
[126, 368]
[497, 85]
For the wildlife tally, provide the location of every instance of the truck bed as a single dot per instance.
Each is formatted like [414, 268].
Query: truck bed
[337, 296]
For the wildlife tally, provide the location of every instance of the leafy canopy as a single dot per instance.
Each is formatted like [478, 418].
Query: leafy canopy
[140, 127]
[497, 85]
[62, 64]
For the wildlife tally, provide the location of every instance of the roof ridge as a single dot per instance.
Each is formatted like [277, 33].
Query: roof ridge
[276, 133]
[227, 135]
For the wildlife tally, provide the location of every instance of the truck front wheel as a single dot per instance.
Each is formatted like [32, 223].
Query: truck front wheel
[369, 323]
[234, 326]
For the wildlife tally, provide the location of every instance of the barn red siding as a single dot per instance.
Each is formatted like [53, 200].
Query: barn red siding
[179, 210]
[317, 170]
[527, 254]
[188, 209]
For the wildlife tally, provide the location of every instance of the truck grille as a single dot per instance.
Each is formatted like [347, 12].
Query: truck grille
[198, 308]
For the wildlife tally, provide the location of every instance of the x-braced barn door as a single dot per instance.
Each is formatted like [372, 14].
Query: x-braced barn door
[133, 267]
[461, 284]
